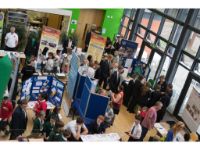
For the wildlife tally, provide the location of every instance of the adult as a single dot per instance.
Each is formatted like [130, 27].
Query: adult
[145, 95]
[150, 118]
[165, 99]
[117, 43]
[6, 110]
[88, 36]
[97, 127]
[162, 83]
[155, 96]
[83, 69]
[108, 46]
[41, 104]
[77, 128]
[68, 43]
[19, 120]
[91, 71]
[136, 131]
[176, 133]
[104, 71]
[11, 40]
[27, 71]
[135, 93]
[114, 80]
[117, 99]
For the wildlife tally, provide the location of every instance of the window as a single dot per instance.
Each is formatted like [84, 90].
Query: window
[123, 31]
[154, 65]
[182, 17]
[178, 83]
[172, 12]
[197, 69]
[161, 44]
[186, 61]
[125, 23]
[151, 38]
[133, 13]
[155, 23]
[167, 28]
[161, 10]
[177, 34]
[141, 31]
[165, 66]
[127, 12]
[170, 51]
[145, 18]
[197, 22]
[139, 41]
[193, 43]
[146, 54]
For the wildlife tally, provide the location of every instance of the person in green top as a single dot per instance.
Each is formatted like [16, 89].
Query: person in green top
[49, 126]
[57, 133]
[38, 125]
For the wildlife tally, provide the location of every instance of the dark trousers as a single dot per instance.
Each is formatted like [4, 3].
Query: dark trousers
[10, 49]
[104, 80]
[144, 132]
[133, 140]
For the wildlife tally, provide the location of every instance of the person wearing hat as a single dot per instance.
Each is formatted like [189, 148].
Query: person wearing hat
[19, 120]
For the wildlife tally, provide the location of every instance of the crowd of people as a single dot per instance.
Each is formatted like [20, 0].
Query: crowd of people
[149, 103]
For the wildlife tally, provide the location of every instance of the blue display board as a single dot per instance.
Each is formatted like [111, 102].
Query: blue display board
[80, 85]
[97, 106]
[49, 85]
[84, 99]
[129, 44]
[73, 73]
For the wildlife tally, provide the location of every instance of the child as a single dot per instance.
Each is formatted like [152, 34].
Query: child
[50, 63]
[136, 131]
[40, 105]
[143, 112]
[48, 127]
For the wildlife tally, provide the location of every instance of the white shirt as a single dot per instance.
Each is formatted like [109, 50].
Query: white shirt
[136, 133]
[72, 127]
[83, 70]
[49, 64]
[178, 137]
[11, 39]
[90, 72]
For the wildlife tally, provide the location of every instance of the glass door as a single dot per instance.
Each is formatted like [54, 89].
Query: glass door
[154, 65]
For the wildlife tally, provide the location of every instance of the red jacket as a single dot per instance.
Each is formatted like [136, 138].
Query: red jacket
[6, 113]
[40, 106]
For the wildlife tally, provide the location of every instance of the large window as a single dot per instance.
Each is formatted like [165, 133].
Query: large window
[167, 28]
[155, 23]
[145, 18]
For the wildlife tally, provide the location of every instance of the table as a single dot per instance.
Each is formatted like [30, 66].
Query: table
[31, 104]
[161, 128]
[109, 137]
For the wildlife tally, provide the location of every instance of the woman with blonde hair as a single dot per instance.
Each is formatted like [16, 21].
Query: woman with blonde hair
[176, 133]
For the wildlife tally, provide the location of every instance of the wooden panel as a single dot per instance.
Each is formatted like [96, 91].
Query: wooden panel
[54, 21]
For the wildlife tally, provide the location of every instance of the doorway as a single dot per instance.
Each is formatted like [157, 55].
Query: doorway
[86, 19]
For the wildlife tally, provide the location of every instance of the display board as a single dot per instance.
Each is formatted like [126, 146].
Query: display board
[49, 85]
[129, 44]
[96, 46]
[191, 113]
[73, 75]
[1, 25]
[6, 66]
[97, 106]
[84, 99]
[79, 87]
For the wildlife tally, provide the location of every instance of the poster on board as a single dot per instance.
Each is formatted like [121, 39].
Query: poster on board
[96, 47]
[49, 38]
[191, 114]
[1, 25]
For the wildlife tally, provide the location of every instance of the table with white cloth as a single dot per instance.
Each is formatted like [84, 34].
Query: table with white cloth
[109, 137]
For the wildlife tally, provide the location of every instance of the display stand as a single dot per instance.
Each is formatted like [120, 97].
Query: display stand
[49, 85]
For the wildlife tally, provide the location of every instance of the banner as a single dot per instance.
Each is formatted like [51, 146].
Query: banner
[1, 25]
[96, 47]
[191, 114]
[49, 38]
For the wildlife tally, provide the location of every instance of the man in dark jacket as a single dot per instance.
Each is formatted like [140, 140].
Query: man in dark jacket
[136, 94]
[165, 99]
[19, 120]
[27, 71]
[115, 78]
[104, 71]
[88, 37]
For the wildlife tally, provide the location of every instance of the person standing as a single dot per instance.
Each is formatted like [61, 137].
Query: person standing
[27, 71]
[150, 118]
[114, 80]
[11, 40]
[136, 131]
[19, 120]
[88, 37]
[104, 71]
[6, 110]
